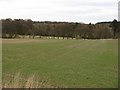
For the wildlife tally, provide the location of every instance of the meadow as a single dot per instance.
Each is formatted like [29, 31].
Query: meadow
[60, 63]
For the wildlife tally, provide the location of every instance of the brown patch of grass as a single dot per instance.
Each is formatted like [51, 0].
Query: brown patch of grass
[29, 83]
[17, 81]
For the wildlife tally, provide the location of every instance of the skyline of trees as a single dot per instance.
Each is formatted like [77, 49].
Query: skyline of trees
[102, 30]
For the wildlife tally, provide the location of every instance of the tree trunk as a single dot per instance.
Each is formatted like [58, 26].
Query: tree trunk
[33, 36]
[23, 36]
[29, 36]
[39, 36]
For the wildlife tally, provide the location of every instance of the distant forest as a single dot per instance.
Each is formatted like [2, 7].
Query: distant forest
[19, 27]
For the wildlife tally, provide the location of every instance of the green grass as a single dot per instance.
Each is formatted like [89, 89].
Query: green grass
[64, 63]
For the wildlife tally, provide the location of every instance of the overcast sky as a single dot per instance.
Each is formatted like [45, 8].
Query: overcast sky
[60, 10]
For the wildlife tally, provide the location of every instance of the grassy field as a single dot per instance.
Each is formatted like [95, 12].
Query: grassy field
[61, 63]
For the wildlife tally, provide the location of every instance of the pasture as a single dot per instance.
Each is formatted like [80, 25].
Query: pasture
[61, 63]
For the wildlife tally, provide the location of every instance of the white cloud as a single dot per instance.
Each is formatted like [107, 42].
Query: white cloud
[60, 10]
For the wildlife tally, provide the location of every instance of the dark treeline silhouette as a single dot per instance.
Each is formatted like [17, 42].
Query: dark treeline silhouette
[19, 27]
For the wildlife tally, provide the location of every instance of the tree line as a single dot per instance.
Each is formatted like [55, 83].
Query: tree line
[103, 30]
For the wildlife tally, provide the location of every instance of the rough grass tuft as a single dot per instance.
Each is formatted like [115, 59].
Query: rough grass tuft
[17, 81]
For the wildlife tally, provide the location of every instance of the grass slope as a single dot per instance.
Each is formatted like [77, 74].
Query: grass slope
[63, 63]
